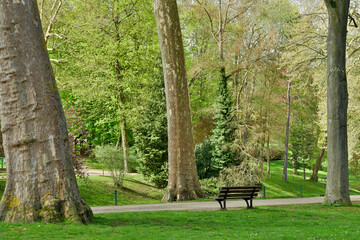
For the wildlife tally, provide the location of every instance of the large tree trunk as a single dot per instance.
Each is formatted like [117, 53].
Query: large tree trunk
[41, 183]
[287, 133]
[183, 181]
[337, 187]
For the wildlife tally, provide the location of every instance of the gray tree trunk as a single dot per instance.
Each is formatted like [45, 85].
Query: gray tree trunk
[337, 187]
[287, 133]
[41, 183]
[183, 181]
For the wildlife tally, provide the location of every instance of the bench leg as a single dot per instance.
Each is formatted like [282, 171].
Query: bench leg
[247, 203]
[249, 206]
[222, 207]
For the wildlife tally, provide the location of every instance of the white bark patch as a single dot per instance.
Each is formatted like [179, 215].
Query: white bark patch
[18, 1]
[52, 145]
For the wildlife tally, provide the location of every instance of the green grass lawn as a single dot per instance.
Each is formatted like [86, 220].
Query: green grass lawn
[277, 188]
[312, 221]
[99, 191]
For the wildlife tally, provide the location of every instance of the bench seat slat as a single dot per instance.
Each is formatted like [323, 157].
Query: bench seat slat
[239, 195]
[244, 187]
[239, 191]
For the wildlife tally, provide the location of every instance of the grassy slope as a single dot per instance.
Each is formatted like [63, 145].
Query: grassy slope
[282, 222]
[99, 191]
[277, 188]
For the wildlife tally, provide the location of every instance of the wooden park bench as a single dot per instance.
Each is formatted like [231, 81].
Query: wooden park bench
[243, 192]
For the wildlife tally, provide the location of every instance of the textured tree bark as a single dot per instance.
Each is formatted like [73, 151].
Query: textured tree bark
[337, 187]
[287, 133]
[183, 181]
[41, 183]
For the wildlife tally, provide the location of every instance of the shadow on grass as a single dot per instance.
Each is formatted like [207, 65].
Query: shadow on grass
[139, 182]
[136, 193]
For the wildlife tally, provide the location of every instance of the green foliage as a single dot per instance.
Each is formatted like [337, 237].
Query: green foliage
[151, 137]
[302, 142]
[161, 179]
[223, 132]
[204, 160]
[105, 58]
[113, 159]
[210, 186]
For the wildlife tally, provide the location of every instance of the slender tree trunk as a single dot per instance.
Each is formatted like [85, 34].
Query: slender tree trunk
[41, 183]
[124, 144]
[304, 168]
[268, 153]
[123, 132]
[287, 133]
[183, 181]
[124, 137]
[315, 168]
[337, 187]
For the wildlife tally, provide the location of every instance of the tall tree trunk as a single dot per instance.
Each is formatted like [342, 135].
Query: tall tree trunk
[337, 187]
[124, 144]
[123, 132]
[124, 136]
[41, 183]
[315, 168]
[183, 181]
[268, 153]
[304, 169]
[287, 133]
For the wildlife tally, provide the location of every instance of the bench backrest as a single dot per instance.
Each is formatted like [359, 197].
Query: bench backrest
[239, 192]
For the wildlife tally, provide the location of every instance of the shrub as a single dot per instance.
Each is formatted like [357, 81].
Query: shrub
[161, 179]
[302, 143]
[113, 159]
[247, 173]
[204, 163]
[210, 186]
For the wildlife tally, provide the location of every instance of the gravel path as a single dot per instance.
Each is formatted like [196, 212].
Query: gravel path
[98, 172]
[207, 206]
